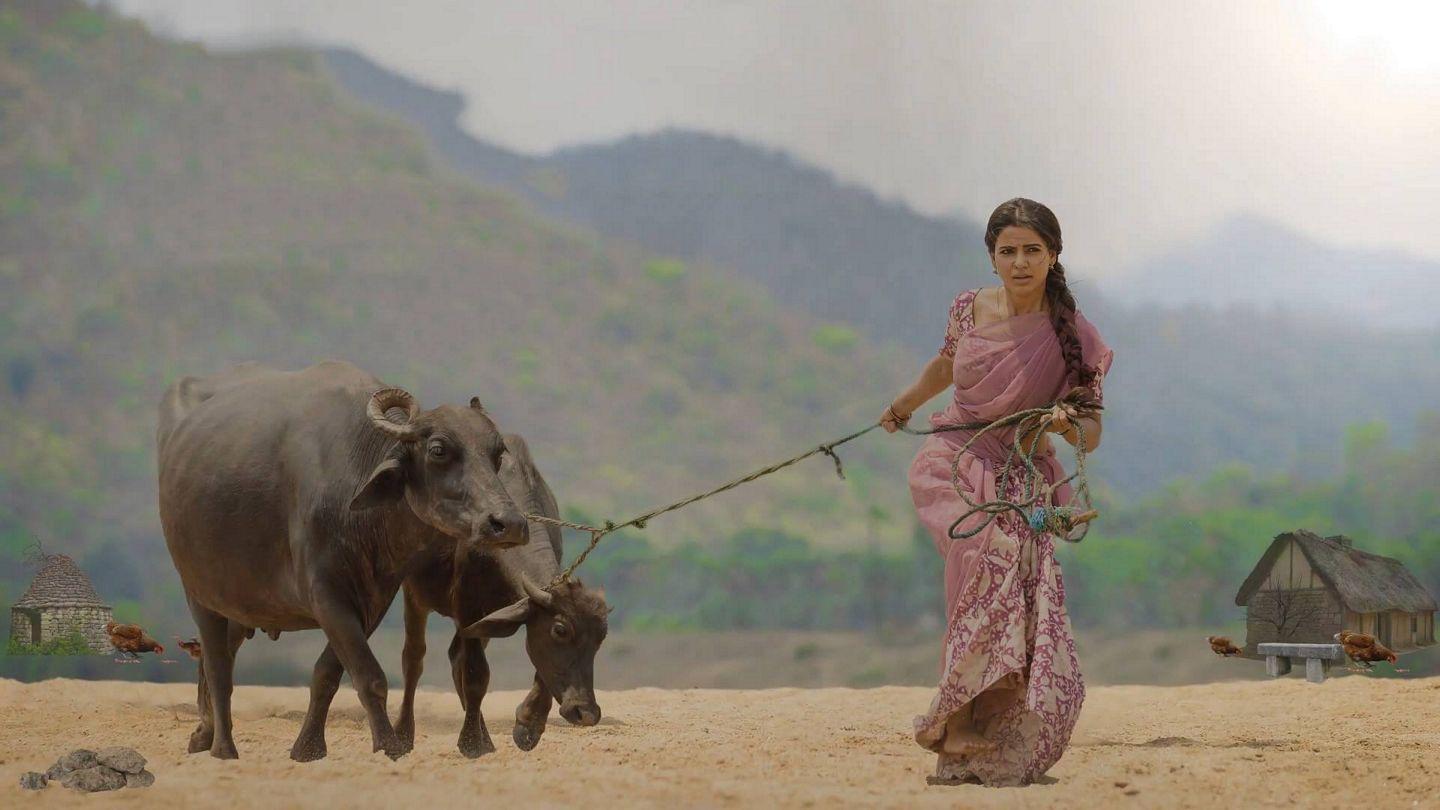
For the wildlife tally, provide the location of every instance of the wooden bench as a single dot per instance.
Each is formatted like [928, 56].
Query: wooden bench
[1318, 658]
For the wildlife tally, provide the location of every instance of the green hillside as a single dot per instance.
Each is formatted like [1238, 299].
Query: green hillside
[166, 211]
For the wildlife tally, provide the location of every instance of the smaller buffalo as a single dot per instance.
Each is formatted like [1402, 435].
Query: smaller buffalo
[495, 594]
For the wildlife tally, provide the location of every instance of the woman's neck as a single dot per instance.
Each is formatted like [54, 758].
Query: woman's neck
[1022, 306]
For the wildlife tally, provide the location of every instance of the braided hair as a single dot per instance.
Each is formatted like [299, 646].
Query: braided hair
[1024, 213]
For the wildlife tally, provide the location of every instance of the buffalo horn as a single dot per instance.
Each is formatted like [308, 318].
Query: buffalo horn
[538, 595]
[387, 398]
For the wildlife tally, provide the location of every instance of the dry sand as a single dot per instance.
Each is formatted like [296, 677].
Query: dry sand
[1355, 741]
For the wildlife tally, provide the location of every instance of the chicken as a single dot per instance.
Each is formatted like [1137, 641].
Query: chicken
[1221, 645]
[191, 646]
[129, 639]
[1363, 649]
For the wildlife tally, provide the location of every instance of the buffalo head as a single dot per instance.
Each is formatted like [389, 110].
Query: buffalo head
[564, 627]
[445, 465]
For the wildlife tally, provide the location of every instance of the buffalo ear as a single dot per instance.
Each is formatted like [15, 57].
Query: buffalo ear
[503, 622]
[386, 485]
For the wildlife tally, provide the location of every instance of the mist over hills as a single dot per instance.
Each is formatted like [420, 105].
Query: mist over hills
[1250, 259]
[1224, 370]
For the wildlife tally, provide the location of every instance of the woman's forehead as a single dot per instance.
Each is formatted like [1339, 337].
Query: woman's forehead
[1017, 236]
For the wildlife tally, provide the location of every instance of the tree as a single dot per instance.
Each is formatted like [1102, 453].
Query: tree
[1286, 611]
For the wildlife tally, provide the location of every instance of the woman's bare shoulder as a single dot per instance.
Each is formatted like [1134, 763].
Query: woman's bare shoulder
[981, 305]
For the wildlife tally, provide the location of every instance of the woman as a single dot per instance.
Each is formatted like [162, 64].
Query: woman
[1011, 689]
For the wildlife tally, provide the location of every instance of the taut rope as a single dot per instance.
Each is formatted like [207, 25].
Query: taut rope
[1055, 519]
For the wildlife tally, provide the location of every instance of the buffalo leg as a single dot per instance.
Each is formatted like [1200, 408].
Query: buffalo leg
[472, 679]
[324, 683]
[218, 655]
[204, 734]
[413, 661]
[530, 716]
[347, 636]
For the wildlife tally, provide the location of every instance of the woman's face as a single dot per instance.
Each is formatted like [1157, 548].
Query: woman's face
[1022, 260]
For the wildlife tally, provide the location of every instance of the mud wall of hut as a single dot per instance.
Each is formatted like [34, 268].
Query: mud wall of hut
[1302, 616]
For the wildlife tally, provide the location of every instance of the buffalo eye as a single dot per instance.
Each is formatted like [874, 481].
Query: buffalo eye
[560, 631]
[437, 451]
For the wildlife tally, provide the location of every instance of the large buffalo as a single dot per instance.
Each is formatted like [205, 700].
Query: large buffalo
[495, 595]
[296, 500]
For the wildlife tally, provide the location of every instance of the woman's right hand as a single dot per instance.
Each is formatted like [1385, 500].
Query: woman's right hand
[892, 421]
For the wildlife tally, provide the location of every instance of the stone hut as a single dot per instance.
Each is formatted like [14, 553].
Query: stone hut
[1306, 588]
[60, 599]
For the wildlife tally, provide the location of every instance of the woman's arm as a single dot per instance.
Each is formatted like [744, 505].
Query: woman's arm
[933, 379]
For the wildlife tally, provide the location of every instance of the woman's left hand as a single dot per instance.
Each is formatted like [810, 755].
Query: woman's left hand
[1060, 418]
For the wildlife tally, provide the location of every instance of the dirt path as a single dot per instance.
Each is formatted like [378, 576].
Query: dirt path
[1356, 741]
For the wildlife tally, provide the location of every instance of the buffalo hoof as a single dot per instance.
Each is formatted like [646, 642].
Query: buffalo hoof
[308, 750]
[476, 745]
[405, 731]
[224, 751]
[526, 738]
[395, 748]
[201, 739]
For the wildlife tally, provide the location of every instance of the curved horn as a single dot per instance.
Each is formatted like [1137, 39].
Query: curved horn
[387, 398]
[538, 595]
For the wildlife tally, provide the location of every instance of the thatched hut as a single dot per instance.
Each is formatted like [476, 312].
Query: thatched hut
[1306, 588]
[59, 600]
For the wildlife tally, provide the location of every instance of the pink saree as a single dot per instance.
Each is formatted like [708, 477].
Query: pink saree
[1009, 658]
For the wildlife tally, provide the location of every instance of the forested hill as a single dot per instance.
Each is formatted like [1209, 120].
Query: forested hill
[1193, 386]
[171, 211]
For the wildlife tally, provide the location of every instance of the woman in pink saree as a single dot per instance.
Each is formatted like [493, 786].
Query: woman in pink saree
[1010, 690]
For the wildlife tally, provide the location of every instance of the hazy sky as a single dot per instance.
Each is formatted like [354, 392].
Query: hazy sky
[1139, 122]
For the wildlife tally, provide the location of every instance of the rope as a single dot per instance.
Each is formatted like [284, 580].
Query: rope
[1059, 520]
[597, 532]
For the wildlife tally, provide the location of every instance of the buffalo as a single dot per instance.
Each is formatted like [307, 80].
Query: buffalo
[495, 594]
[297, 500]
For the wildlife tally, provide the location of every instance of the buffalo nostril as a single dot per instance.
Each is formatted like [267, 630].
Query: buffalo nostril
[495, 525]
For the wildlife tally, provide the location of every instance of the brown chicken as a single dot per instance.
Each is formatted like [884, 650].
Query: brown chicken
[129, 639]
[1221, 645]
[1362, 648]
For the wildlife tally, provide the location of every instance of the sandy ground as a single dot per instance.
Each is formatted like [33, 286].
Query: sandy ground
[1282, 743]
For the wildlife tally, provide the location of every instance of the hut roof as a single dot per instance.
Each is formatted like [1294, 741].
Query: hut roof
[1366, 583]
[60, 583]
